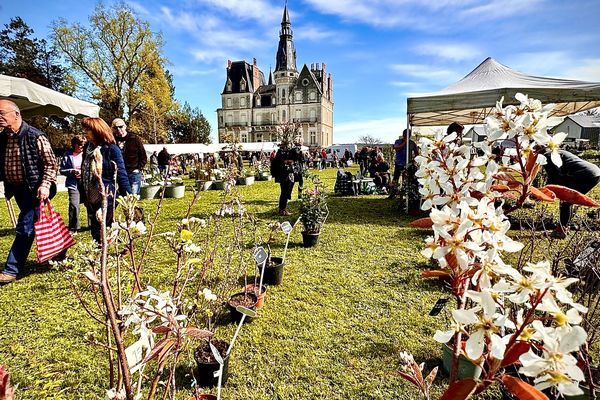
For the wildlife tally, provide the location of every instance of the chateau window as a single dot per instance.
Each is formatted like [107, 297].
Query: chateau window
[313, 137]
[283, 116]
[283, 96]
[229, 85]
[229, 102]
[243, 118]
[229, 119]
[298, 96]
[243, 85]
[244, 137]
[298, 114]
[243, 102]
[259, 137]
[313, 115]
[312, 95]
[258, 119]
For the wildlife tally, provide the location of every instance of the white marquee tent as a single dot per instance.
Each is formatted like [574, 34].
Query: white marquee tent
[470, 100]
[197, 148]
[34, 99]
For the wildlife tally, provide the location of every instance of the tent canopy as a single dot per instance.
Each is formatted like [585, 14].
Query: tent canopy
[34, 99]
[470, 100]
[196, 148]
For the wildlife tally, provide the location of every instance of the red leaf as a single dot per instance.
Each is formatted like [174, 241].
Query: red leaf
[422, 223]
[197, 333]
[408, 378]
[435, 273]
[157, 349]
[572, 196]
[460, 390]
[161, 329]
[542, 194]
[504, 176]
[516, 350]
[500, 188]
[522, 390]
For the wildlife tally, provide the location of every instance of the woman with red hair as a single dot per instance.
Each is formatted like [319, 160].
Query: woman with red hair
[101, 143]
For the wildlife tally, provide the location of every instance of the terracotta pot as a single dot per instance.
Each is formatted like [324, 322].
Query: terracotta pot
[253, 288]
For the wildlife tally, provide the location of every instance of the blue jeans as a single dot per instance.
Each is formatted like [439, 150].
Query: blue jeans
[29, 207]
[135, 181]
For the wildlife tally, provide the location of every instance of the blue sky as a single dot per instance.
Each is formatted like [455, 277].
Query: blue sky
[378, 51]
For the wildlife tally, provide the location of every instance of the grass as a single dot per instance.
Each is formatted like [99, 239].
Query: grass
[332, 330]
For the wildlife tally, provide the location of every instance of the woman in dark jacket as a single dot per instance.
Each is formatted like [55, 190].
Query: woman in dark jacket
[286, 170]
[100, 138]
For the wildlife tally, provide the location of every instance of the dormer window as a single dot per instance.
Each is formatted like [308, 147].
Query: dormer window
[229, 85]
[243, 85]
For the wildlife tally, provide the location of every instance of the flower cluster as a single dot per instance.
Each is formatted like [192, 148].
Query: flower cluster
[498, 306]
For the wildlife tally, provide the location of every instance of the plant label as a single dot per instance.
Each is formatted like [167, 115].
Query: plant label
[260, 255]
[135, 355]
[438, 306]
[286, 227]
[216, 354]
[246, 311]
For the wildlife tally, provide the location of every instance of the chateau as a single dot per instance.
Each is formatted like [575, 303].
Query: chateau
[251, 109]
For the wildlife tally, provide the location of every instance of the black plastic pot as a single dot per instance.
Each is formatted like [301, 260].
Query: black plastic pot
[310, 239]
[273, 271]
[235, 314]
[206, 369]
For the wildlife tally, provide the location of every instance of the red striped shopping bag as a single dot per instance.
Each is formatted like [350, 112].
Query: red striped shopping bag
[51, 233]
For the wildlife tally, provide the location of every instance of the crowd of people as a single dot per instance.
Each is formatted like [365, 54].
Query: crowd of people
[28, 169]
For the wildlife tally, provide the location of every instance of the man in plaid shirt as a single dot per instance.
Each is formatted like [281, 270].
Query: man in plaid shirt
[28, 168]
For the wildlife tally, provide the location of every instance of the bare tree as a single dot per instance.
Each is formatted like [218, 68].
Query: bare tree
[369, 140]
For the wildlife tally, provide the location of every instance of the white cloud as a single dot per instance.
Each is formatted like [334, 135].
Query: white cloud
[259, 10]
[386, 129]
[426, 72]
[185, 71]
[449, 51]
[496, 9]
[315, 33]
[587, 70]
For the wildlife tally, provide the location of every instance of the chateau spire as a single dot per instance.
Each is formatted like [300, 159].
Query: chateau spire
[286, 52]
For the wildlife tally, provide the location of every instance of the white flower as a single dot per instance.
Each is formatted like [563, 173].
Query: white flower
[208, 294]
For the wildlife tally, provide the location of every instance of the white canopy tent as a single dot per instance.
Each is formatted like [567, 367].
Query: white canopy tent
[470, 100]
[197, 148]
[34, 99]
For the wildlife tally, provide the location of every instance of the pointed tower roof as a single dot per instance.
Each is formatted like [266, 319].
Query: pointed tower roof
[286, 52]
[270, 76]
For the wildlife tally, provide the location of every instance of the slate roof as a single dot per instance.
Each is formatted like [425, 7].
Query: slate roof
[239, 70]
[585, 121]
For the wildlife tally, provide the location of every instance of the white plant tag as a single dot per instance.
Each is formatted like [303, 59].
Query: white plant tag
[216, 354]
[286, 227]
[260, 255]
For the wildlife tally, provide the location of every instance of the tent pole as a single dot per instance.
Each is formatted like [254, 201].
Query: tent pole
[408, 135]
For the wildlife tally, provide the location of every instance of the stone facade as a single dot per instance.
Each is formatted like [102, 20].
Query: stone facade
[252, 109]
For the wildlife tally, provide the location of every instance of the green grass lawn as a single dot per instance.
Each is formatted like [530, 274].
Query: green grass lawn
[332, 330]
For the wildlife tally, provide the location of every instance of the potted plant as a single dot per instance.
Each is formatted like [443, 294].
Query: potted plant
[174, 188]
[203, 177]
[219, 183]
[313, 211]
[504, 318]
[246, 177]
[150, 188]
[263, 169]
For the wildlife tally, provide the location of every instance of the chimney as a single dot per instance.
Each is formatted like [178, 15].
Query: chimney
[228, 64]
[329, 88]
[317, 66]
[255, 75]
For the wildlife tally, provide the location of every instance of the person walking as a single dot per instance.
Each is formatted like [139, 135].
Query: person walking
[285, 169]
[154, 163]
[134, 154]
[100, 137]
[70, 166]
[28, 169]
[164, 160]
